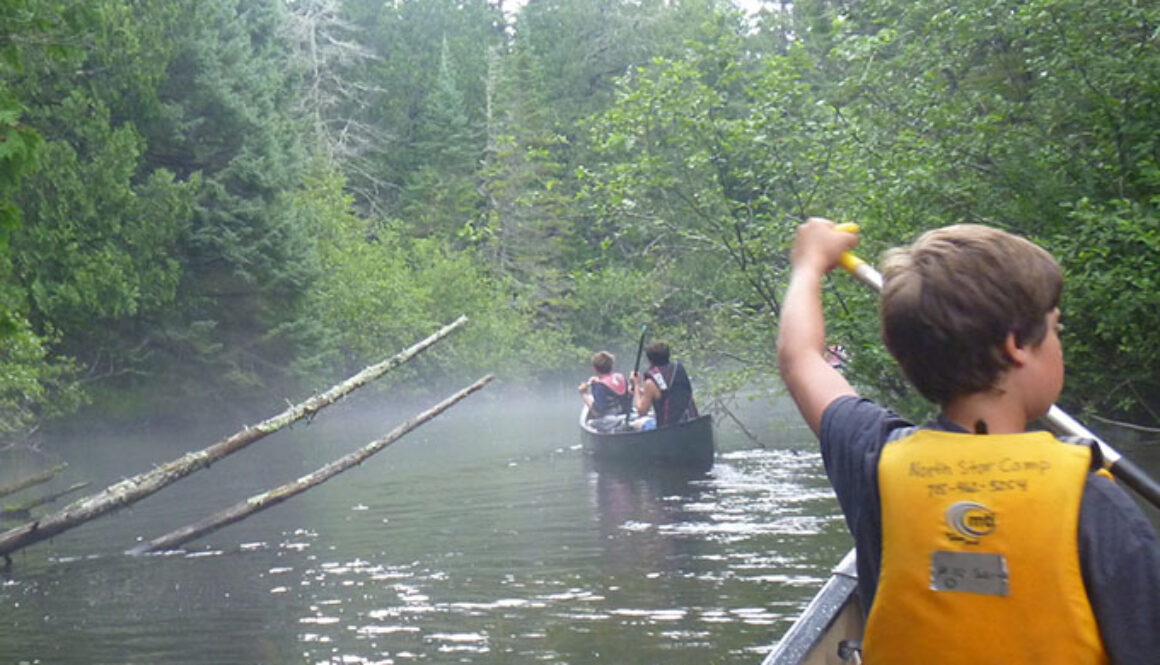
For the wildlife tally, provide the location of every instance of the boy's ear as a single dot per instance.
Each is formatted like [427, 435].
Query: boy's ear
[1013, 351]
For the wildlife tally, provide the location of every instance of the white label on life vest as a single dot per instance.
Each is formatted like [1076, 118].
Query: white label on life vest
[660, 379]
[969, 572]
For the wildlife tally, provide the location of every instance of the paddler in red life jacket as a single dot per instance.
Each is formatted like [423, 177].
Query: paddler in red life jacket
[606, 394]
[666, 389]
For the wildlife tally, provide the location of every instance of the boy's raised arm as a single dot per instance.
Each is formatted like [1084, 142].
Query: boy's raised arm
[801, 341]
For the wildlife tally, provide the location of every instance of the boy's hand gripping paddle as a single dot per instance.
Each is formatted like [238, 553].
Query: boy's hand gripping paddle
[1057, 420]
[862, 271]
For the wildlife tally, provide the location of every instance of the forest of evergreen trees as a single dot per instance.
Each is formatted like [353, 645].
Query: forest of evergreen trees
[222, 202]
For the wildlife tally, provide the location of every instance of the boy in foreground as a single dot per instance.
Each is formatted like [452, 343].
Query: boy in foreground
[978, 542]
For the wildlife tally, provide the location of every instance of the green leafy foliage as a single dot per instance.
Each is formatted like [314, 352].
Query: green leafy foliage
[708, 170]
[560, 173]
[1112, 341]
[228, 121]
[425, 101]
[94, 246]
[34, 385]
[1009, 114]
[441, 195]
[17, 154]
[383, 289]
[903, 116]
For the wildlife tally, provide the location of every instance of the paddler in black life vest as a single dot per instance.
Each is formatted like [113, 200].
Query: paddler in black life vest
[666, 389]
[606, 394]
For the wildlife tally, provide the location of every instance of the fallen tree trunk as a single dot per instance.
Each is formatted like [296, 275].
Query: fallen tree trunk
[24, 510]
[243, 509]
[32, 480]
[134, 489]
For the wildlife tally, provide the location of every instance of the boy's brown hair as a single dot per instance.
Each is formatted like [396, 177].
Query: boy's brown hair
[657, 353]
[950, 299]
[602, 362]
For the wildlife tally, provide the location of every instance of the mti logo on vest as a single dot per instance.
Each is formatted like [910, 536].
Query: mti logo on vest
[970, 521]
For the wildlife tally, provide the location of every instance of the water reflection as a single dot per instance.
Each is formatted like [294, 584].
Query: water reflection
[636, 508]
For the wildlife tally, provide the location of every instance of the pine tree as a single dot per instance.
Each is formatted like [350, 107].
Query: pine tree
[440, 196]
[230, 124]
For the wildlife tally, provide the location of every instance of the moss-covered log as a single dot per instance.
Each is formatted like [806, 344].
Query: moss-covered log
[32, 480]
[134, 489]
[244, 509]
[24, 510]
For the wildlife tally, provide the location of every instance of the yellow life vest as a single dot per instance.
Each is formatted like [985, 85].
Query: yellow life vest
[980, 562]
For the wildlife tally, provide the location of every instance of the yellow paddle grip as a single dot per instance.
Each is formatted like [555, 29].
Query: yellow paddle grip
[849, 261]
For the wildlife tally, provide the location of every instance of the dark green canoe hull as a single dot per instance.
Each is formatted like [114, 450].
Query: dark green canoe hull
[687, 445]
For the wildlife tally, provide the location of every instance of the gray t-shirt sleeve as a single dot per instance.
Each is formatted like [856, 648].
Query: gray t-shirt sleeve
[1120, 559]
[851, 436]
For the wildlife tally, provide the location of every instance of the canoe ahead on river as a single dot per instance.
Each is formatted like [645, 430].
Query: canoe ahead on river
[829, 625]
[687, 445]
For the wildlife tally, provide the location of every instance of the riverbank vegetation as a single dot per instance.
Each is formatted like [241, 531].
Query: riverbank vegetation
[214, 203]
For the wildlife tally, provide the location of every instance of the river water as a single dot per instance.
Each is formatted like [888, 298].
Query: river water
[484, 536]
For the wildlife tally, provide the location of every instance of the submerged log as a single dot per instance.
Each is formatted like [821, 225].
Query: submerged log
[32, 480]
[243, 509]
[25, 509]
[138, 487]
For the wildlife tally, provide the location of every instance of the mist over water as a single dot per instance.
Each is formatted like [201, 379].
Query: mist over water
[484, 536]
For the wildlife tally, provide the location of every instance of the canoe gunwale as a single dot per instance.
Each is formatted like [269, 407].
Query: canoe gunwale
[833, 615]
